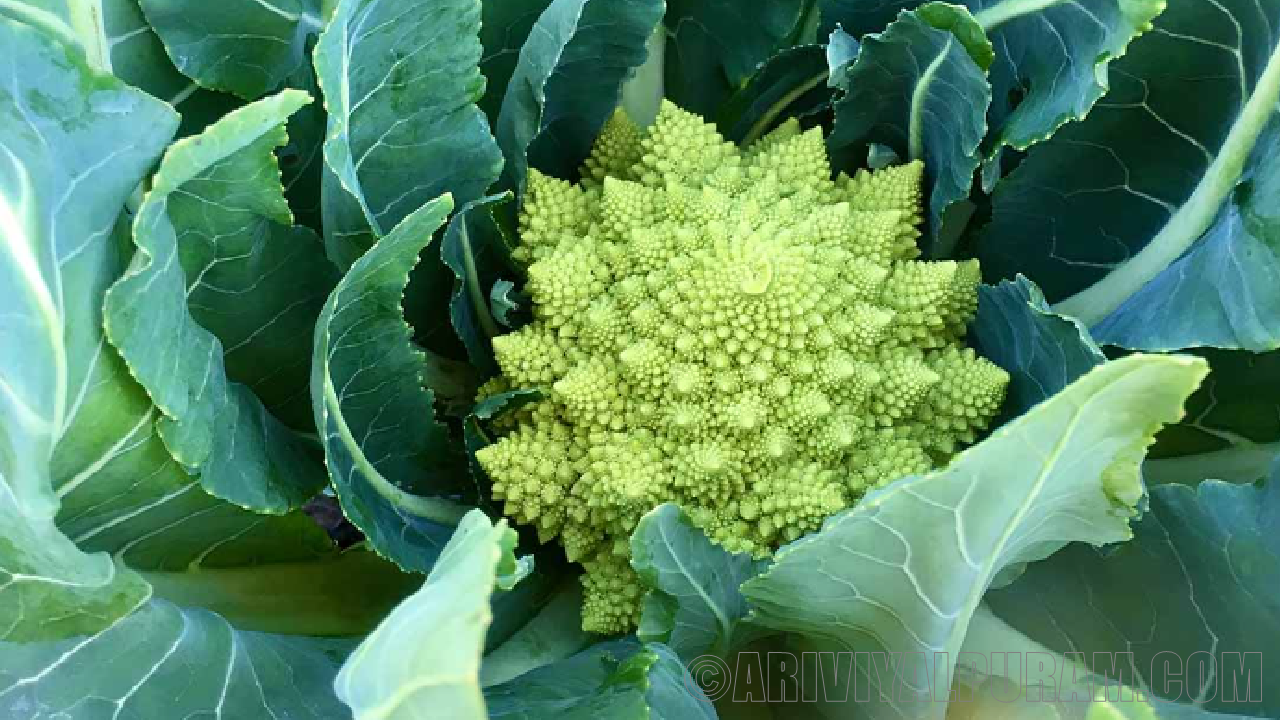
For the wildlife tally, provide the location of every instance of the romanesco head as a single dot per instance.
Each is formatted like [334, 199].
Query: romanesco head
[731, 330]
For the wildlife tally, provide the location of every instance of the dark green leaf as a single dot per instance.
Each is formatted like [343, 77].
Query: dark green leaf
[713, 46]
[1051, 60]
[1214, 554]
[504, 26]
[920, 88]
[1232, 428]
[568, 81]
[400, 82]
[388, 458]
[244, 47]
[554, 634]
[476, 251]
[208, 295]
[1041, 351]
[792, 83]
[302, 160]
[1109, 203]
[694, 583]
[1225, 291]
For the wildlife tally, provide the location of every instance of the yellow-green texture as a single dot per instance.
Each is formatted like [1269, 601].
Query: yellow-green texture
[731, 330]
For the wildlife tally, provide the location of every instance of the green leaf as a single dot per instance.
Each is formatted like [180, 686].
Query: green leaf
[391, 463]
[475, 436]
[424, 659]
[1214, 553]
[714, 46]
[1042, 352]
[568, 81]
[1221, 293]
[606, 680]
[73, 145]
[163, 661]
[163, 658]
[113, 35]
[791, 83]
[920, 87]
[397, 139]
[1053, 61]
[504, 27]
[506, 304]
[553, 634]
[116, 38]
[694, 606]
[1110, 203]
[212, 278]
[905, 569]
[1232, 429]
[137, 56]
[302, 160]
[1052, 57]
[842, 49]
[244, 47]
[475, 249]
[619, 680]
[1043, 684]
[673, 693]
[87, 629]
[49, 589]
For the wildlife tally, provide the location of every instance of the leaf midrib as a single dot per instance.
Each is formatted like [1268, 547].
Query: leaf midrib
[1194, 217]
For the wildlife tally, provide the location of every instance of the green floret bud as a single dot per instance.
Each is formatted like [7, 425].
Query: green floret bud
[731, 330]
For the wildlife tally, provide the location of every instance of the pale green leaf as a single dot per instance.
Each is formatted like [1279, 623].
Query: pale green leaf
[619, 680]
[73, 145]
[78, 636]
[904, 570]
[424, 659]
[167, 662]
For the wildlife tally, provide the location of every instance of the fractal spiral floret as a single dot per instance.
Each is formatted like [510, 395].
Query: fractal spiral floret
[731, 330]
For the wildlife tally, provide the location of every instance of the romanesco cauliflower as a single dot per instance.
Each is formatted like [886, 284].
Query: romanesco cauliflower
[729, 330]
